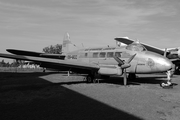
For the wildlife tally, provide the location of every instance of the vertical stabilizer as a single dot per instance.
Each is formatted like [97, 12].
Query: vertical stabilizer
[66, 42]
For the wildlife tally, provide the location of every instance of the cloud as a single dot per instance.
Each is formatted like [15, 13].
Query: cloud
[94, 15]
[105, 12]
[92, 11]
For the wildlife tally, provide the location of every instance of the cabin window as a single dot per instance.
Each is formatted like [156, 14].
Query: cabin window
[102, 55]
[110, 54]
[69, 57]
[74, 56]
[95, 55]
[118, 54]
[86, 54]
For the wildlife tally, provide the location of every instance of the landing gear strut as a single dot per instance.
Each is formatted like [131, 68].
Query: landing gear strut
[167, 84]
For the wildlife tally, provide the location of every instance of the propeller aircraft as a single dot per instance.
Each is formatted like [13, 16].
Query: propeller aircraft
[99, 62]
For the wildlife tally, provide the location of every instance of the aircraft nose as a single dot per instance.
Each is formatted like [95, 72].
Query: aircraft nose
[158, 63]
[164, 64]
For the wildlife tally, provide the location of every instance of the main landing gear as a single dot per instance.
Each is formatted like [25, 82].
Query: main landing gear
[167, 84]
[91, 78]
[94, 78]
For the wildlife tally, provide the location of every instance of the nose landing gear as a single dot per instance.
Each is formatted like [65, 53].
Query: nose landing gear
[167, 84]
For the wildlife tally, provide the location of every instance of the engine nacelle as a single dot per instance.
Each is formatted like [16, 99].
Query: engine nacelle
[110, 71]
[174, 53]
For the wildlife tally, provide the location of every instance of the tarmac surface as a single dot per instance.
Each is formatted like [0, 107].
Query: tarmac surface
[52, 96]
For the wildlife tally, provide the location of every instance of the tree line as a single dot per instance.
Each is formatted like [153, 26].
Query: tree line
[15, 63]
[53, 49]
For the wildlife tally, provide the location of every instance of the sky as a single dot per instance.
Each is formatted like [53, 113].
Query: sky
[35, 24]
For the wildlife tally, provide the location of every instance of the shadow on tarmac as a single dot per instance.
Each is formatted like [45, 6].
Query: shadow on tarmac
[137, 81]
[50, 101]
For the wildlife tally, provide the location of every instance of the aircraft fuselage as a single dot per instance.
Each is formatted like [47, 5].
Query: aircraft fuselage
[144, 61]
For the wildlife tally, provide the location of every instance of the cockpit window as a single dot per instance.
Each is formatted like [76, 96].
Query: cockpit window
[136, 46]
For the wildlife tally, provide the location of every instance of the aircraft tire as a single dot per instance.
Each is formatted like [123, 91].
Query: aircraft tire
[165, 85]
[89, 79]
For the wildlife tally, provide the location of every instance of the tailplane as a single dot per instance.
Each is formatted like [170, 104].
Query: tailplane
[66, 42]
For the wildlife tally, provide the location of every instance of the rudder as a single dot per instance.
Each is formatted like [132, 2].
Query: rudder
[66, 42]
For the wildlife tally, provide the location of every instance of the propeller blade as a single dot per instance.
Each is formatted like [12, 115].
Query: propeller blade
[131, 58]
[123, 65]
[165, 52]
[118, 60]
[125, 77]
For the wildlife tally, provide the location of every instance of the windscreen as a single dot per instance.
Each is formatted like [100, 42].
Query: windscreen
[136, 46]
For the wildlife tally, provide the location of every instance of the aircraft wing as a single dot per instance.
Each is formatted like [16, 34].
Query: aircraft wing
[23, 52]
[35, 54]
[53, 63]
[148, 47]
[49, 55]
